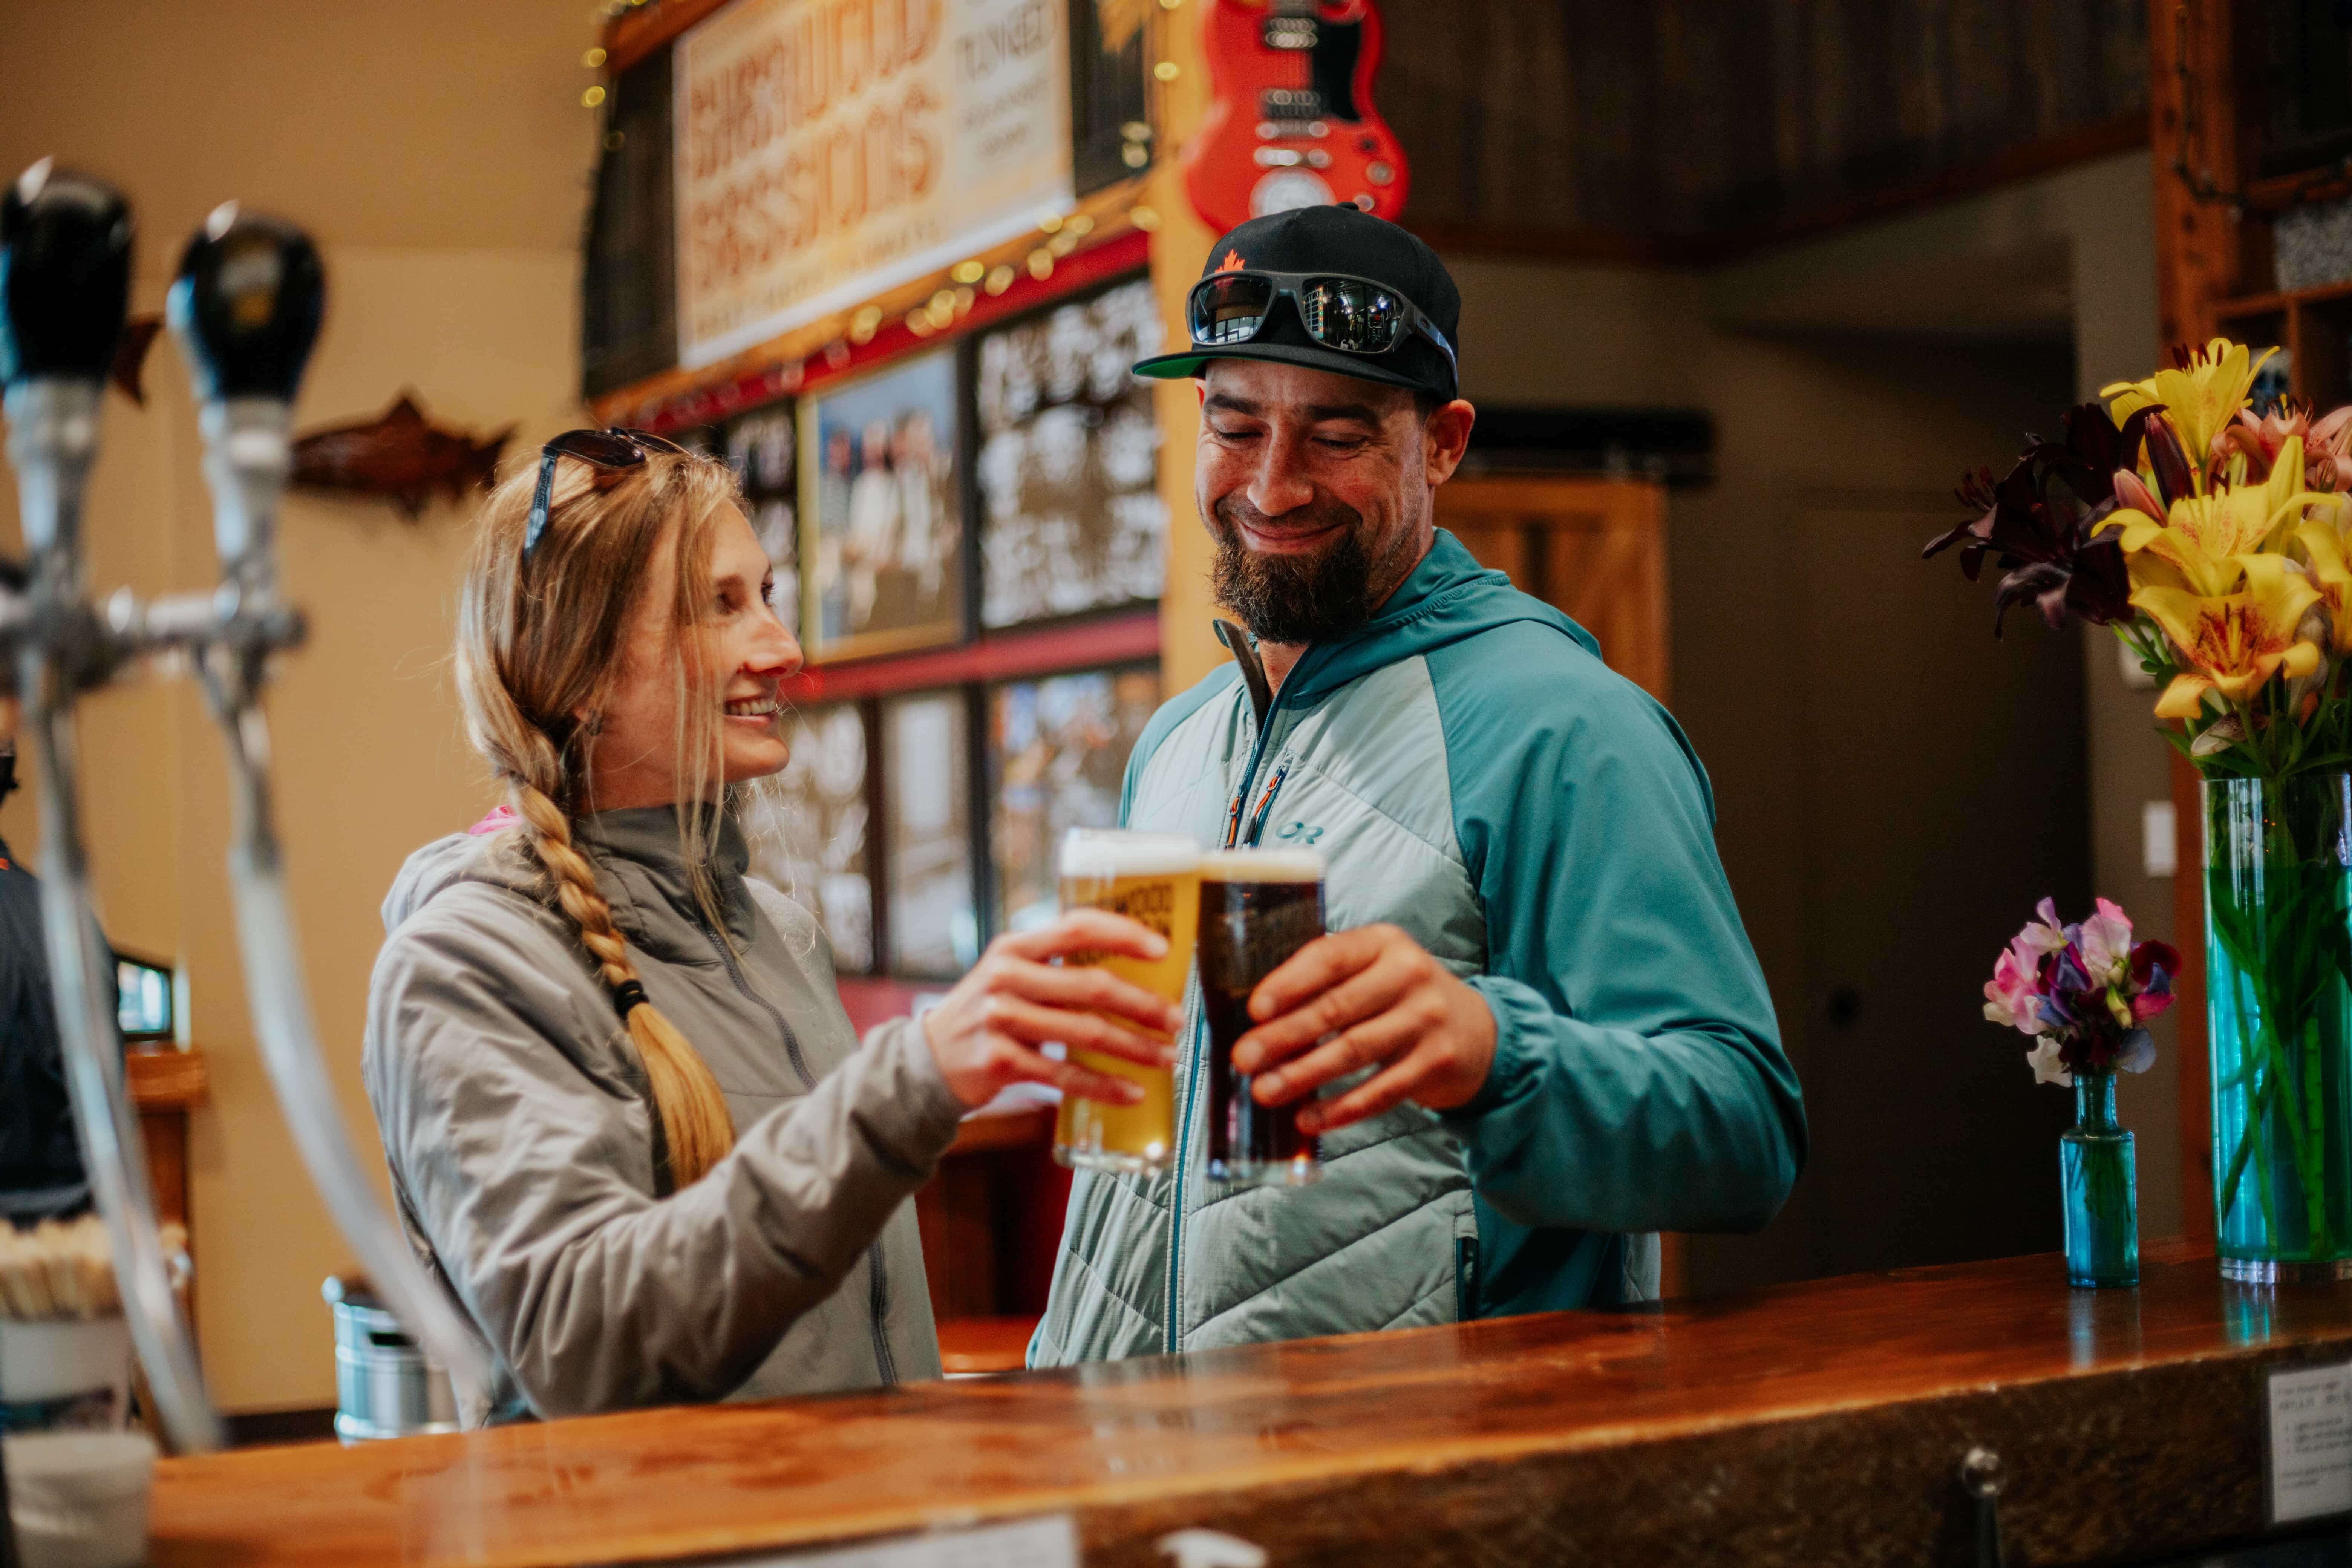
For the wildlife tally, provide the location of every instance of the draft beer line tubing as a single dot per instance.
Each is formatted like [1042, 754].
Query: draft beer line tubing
[247, 342]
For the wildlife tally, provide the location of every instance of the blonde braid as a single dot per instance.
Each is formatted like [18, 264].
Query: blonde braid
[532, 655]
[694, 1118]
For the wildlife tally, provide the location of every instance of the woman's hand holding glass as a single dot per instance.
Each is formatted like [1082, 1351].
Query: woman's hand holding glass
[990, 1030]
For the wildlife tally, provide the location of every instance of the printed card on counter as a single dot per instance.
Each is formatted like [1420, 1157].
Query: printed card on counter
[2310, 1449]
[1050, 1542]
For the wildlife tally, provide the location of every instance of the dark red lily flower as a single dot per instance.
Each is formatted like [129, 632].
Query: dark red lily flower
[2039, 522]
[2153, 965]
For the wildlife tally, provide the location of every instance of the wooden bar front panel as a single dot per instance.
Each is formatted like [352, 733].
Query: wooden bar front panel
[1818, 1423]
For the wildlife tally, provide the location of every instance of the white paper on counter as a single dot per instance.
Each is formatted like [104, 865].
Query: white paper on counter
[1050, 1542]
[2310, 1456]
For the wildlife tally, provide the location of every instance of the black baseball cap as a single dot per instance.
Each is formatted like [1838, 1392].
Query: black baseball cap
[1341, 239]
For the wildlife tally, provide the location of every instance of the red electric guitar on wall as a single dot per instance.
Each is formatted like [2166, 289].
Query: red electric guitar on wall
[1291, 121]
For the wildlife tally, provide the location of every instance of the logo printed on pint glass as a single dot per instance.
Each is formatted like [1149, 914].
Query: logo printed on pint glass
[1152, 905]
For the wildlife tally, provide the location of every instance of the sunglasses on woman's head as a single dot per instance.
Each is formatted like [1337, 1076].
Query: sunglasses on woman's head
[611, 449]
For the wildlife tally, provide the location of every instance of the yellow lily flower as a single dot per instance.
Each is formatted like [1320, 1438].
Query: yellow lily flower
[2233, 643]
[2331, 574]
[2197, 545]
[2202, 398]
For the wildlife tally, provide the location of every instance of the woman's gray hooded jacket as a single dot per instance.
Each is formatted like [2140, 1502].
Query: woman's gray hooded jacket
[523, 1148]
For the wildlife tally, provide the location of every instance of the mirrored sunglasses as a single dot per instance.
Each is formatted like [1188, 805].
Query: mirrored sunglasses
[1353, 315]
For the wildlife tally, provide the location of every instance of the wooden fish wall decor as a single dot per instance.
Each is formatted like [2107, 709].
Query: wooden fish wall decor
[130, 356]
[400, 455]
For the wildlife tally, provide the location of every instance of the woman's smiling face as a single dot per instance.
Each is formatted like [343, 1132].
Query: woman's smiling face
[736, 656]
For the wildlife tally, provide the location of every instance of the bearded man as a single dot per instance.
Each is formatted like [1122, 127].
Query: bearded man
[1537, 1035]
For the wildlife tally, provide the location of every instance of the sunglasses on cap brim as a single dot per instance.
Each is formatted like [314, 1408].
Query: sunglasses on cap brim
[1353, 315]
[607, 450]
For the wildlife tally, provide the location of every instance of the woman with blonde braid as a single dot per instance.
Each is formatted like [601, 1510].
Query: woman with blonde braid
[628, 1124]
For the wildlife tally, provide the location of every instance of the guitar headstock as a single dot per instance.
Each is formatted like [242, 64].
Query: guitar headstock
[1292, 123]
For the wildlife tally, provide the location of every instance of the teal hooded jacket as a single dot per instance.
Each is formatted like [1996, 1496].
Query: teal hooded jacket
[1473, 773]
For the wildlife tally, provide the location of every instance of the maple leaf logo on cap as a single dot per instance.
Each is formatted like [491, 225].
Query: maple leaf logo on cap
[1232, 261]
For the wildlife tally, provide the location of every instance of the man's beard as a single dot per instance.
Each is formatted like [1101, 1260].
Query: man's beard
[1305, 598]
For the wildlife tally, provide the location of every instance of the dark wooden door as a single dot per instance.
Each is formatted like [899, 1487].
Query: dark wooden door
[1944, 792]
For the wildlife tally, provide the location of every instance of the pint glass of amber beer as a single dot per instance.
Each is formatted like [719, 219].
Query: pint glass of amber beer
[1258, 908]
[1153, 879]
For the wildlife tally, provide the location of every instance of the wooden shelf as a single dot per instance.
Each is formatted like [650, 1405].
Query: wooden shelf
[166, 1079]
[2313, 325]
[2283, 193]
[166, 1083]
[2247, 305]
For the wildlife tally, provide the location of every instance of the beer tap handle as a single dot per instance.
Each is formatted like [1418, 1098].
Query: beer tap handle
[245, 308]
[62, 298]
[64, 276]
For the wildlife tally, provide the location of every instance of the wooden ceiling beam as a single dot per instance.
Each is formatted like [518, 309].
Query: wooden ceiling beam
[1799, 225]
[640, 30]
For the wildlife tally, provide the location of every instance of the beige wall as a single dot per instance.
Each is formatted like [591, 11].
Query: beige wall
[438, 154]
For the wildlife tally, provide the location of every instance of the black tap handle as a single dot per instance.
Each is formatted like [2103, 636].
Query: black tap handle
[247, 303]
[65, 274]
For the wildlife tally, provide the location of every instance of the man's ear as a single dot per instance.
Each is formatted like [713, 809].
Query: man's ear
[1446, 438]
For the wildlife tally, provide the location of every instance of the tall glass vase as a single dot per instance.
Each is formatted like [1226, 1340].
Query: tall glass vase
[2278, 965]
[2094, 1168]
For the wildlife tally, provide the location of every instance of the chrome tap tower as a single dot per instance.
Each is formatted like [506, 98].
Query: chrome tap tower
[245, 309]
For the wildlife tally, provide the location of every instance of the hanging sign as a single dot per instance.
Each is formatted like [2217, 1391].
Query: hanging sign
[830, 150]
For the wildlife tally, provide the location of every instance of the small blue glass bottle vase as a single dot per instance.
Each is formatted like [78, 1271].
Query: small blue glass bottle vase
[2094, 1165]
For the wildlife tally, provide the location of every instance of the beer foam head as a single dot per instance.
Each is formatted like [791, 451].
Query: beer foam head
[1262, 865]
[1108, 852]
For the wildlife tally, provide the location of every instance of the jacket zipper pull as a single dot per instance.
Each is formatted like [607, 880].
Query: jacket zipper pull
[1264, 804]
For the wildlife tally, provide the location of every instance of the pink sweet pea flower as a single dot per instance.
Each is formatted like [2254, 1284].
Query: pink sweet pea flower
[2105, 944]
[2013, 996]
[2044, 935]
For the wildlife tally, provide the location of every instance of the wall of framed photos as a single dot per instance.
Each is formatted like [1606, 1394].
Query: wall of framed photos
[919, 824]
[969, 543]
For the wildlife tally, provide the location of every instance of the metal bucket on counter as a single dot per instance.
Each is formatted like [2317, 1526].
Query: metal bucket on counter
[384, 1384]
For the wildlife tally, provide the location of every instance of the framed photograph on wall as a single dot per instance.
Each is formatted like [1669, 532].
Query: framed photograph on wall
[934, 924]
[1058, 751]
[808, 833]
[1068, 461]
[763, 448]
[881, 520]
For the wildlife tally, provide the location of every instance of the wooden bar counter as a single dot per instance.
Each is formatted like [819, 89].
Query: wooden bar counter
[1819, 1422]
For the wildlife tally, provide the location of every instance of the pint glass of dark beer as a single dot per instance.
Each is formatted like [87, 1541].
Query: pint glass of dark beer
[1258, 908]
